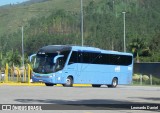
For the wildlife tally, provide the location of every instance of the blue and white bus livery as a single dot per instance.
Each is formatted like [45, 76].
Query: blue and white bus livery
[68, 65]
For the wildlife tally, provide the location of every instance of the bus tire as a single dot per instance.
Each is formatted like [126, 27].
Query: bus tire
[49, 84]
[69, 82]
[96, 85]
[114, 83]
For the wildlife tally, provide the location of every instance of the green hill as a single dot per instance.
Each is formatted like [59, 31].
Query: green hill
[12, 16]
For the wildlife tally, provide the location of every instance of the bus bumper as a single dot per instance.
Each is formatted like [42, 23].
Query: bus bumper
[44, 79]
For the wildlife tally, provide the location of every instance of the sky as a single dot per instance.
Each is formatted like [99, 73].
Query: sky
[5, 2]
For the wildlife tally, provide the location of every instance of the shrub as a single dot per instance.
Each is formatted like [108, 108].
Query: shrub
[145, 77]
[136, 77]
[155, 81]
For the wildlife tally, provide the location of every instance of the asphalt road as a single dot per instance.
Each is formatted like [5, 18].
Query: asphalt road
[80, 95]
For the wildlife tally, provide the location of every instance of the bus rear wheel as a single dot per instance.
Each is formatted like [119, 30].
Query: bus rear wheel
[95, 85]
[69, 82]
[49, 84]
[114, 83]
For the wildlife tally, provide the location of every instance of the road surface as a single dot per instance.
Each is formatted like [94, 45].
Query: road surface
[122, 95]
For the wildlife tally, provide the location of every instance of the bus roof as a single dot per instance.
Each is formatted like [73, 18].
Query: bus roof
[97, 50]
[54, 48]
[59, 48]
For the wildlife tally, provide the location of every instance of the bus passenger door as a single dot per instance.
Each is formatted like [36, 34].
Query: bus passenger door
[73, 68]
[59, 65]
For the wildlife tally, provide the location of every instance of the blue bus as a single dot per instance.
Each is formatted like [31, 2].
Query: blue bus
[68, 65]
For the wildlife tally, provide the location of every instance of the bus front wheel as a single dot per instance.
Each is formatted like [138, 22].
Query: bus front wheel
[114, 83]
[69, 82]
[49, 84]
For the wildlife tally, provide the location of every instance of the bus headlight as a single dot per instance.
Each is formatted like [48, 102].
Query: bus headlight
[53, 74]
[50, 76]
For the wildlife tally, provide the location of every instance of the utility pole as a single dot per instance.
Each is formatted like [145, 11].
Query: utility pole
[22, 53]
[82, 21]
[124, 31]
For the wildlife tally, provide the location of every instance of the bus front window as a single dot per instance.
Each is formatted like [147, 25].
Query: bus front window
[44, 64]
[59, 64]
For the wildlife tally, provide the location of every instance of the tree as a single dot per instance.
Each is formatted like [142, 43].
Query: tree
[12, 58]
[139, 47]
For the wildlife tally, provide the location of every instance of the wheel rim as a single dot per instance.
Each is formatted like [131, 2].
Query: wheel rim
[114, 83]
[68, 81]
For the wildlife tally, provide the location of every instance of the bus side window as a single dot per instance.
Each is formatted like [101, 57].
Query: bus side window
[73, 58]
[80, 57]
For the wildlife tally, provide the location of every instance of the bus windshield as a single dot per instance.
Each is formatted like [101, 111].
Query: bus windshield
[44, 63]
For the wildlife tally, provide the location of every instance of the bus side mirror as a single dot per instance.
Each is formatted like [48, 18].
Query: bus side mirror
[56, 57]
[30, 57]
